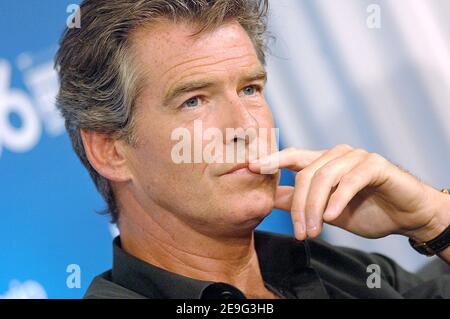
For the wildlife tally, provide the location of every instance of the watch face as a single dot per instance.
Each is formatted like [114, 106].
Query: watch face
[421, 248]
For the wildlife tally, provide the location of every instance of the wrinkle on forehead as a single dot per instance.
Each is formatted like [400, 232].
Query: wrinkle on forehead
[196, 70]
[173, 50]
[243, 61]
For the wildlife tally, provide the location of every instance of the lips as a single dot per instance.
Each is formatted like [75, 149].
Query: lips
[236, 167]
[241, 170]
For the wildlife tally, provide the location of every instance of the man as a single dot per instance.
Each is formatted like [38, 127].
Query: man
[138, 71]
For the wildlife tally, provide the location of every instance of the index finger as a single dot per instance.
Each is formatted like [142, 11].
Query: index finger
[292, 158]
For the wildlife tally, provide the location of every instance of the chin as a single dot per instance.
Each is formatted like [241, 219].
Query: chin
[248, 210]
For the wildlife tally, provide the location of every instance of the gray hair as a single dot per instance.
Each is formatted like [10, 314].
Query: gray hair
[99, 83]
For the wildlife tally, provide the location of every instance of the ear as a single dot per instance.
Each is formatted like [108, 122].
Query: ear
[106, 155]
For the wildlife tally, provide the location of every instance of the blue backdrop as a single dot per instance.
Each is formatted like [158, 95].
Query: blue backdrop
[332, 79]
[48, 203]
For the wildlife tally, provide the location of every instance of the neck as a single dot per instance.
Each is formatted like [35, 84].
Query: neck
[163, 240]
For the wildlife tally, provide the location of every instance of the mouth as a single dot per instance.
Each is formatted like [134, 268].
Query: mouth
[240, 169]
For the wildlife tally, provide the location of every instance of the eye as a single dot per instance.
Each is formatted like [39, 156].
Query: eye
[251, 89]
[192, 102]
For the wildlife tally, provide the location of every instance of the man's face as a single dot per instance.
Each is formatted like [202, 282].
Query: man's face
[213, 79]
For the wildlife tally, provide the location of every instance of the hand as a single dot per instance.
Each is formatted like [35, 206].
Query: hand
[358, 191]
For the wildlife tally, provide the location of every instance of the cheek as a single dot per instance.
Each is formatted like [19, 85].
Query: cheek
[266, 119]
[175, 187]
[154, 142]
[156, 146]
[151, 159]
[263, 116]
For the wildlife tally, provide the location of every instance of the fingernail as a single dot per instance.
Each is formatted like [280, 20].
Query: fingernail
[312, 231]
[269, 170]
[264, 160]
[311, 228]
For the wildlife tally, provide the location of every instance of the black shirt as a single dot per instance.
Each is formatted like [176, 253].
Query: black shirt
[290, 268]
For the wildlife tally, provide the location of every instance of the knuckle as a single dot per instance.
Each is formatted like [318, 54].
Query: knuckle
[336, 196]
[322, 173]
[298, 177]
[376, 158]
[360, 152]
[297, 209]
[303, 175]
[309, 211]
[343, 147]
[290, 150]
[295, 216]
[312, 205]
[350, 179]
[309, 206]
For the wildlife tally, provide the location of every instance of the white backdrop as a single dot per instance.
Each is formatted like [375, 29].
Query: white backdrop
[372, 74]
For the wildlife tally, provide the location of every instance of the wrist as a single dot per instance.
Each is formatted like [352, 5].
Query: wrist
[438, 223]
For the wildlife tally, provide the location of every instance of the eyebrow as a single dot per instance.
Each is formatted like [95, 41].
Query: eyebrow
[259, 75]
[194, 85]
[186, 87]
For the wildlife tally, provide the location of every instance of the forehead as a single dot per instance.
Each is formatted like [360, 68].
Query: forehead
[168, 51]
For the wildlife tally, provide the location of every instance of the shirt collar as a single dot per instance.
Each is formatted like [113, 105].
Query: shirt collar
[280, 257]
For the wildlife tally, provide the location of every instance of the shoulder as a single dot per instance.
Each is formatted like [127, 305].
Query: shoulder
[344, 271]
[102, 287]
[352, 268]
[322, 254]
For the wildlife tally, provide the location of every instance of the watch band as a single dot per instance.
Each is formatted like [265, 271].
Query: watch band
[436, 245]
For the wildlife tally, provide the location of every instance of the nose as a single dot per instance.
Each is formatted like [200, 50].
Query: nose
[235, 114]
